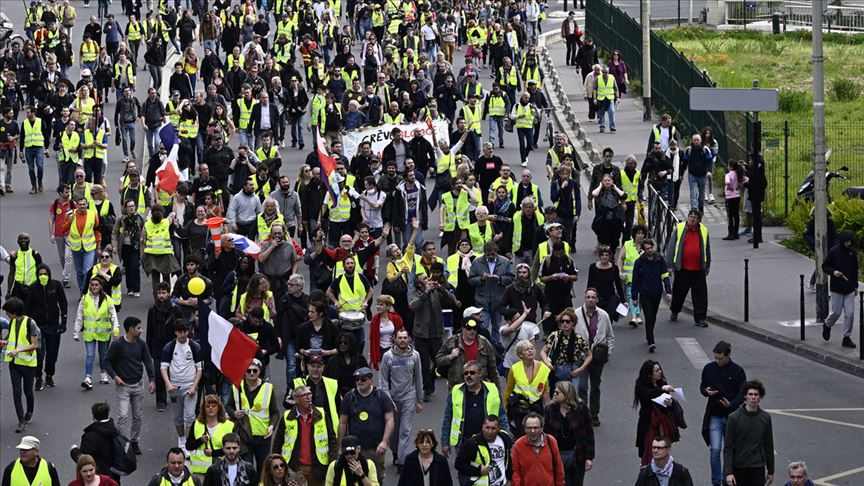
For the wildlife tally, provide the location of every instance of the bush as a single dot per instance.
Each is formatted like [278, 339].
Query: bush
[799, 215]
[849, 215]
[845, 90]
[795, 101]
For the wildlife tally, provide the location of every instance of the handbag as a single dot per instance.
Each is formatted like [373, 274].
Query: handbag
[600, 351]
[243, 428]
[508, 125]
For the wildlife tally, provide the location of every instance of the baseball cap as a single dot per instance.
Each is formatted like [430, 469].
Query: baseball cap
[472, 311]
[549, 226]
[85, 72]
[350, 443]
[549, 209]
[28, 442]
[315, 359]
[175, 93]
[363, 372]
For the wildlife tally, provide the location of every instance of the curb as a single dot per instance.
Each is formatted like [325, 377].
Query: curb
[846, 365]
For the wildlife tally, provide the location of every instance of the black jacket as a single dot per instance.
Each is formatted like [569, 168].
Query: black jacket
[680, 476]
[412, 475]
[468, 452]
[47, 306]
[255, 120]
[423, 154]
[97, 441]
[844, 260]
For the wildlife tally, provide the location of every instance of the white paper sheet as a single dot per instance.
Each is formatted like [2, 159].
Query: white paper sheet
[622, 309]
[661, 400]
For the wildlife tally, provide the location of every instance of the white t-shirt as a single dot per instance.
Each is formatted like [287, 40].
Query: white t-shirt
[528, 331]
[232, 473]
[182, 367]
[428, 32]
[373, 215]
[387, 329]
[497, 475]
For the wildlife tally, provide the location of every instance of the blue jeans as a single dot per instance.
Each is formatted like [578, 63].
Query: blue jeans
[210, 44]
[602, 114]
[246, 138]
[562, 373]
[290, 361]
[297, 130]
[406, 236]
[697, 191]
[431, 49]
[90, 348]
[83, 263]
[716, 431]
[151, 139]
[634, 309]
[492, 321]
[35, 158]
[496, 122]
[128, 135]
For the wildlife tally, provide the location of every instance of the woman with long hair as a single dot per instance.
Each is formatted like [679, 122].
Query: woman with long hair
[501, 211]
[568, 419]
[608, 220]
[734, 181]
[605, 276]
[425, 465]
[651, 384]
[257, 294]
[190, 65]
[127, 237]
[566, 352]
[347, 360]
[527, 387]
[204, 441]
[104, 73]
[234, 284]
[97, 318]
[110, 273]
[104, 208]
[156, 262]
[382, 328]
[221, 117]
[85, 473]
[198, 233]
[275, 472]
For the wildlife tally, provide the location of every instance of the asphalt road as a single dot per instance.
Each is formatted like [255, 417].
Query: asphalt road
[823, 409]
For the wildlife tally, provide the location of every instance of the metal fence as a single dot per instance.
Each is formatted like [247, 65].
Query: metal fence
[846, 17]
[672, 74]
[661, 220]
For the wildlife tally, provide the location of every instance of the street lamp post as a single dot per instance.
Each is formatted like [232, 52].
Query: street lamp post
[820, 166]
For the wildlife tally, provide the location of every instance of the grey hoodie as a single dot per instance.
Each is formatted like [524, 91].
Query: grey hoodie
[401, 375]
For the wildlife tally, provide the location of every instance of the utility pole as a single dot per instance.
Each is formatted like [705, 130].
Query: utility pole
[820, 166]
[646, 59]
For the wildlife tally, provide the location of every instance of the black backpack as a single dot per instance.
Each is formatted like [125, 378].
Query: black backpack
[123, 459]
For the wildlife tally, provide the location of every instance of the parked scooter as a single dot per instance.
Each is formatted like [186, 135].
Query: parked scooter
[807, 190]
[6, 33]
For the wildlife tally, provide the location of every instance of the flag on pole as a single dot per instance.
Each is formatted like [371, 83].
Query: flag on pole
[168, 175]
[328, 166]
[245, 245]
[231, 350]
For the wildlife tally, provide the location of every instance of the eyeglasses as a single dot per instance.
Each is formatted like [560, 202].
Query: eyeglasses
[562, 321]
[252, 371]
[362, 378]
[469, 373]
[305, 395]
[79, 176]
[277, 466]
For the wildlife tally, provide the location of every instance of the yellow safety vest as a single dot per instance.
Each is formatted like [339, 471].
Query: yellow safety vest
[158, 240]
[532, 390]
[528, 120]
[198, 461]
[25, 267]
[259, 411]
[141, 208]
[377, 19]
[33, 133]
[481, 459]
[85, 241]
[70, 145]
[245, 111]
[496, 105]
[453, 262]
[514, 195]
[447, 163]
[508, 184]
[457, 398]
[342, 211]
[190, 481]
[319, 433]
[458, 214]
[532, 74]
[543, 250]
[240, 60]
[478, 239]
[331, 386]
[97, 321]
[339, 268]
[605, 88]
[19, 478]
[393, 28]
[631, 188]
[679, 230]
[89, 51]
[173, 116]
[85, 109]
[394, 120]
[243, 311]
[116, 291]
[98, 152]
[517, 227]
[657, 136]
[553, 154]
[134, 31]
[473, 118]
[189, 128]
[130, 74]
[264, 228]
[475, 89]
[351, 296]
[631, 253]
[19, 339]
[509, 79]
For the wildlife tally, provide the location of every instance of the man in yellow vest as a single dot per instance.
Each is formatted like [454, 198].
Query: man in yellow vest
[325, 390]
[556, 154]
[339, 211]
[351, 292]
[30, 465]
[21, 346]
[84, 237]
[304, 423]
[474, 464]
[22, 268]
[473, 115]
[482, 231]
[94, 149]
[496, 106]
[242, 113]
[606, 97]
[523, 114]
[690, 267]
[88, 53]
[458, 424]
[33, 150]
[455, 216]
[630, 180]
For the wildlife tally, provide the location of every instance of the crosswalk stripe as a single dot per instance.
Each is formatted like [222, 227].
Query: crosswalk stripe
[693, 351]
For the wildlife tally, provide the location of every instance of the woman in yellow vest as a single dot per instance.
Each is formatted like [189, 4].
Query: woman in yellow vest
[257, 294]
[254, 399]
[110, 273]
[204, 441]
[527, 387]
[97, 319]
[157, 254]
[82, 108]
[21, 346]
[627, 257]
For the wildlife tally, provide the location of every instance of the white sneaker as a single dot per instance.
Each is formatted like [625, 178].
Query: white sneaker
[524, 163]
[103, 378]
[710, 198]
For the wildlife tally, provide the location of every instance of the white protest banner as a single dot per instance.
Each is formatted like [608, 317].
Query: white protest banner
[380, 136]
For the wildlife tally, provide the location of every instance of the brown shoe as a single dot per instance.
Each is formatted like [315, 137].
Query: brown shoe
[34, 190]
[9, 190]
[41, 187]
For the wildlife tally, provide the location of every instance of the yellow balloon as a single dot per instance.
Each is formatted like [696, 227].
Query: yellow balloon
[196, 286]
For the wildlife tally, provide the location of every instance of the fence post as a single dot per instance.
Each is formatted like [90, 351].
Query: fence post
[861, 325]
[786, 168]
[802, 305]
[746, 290]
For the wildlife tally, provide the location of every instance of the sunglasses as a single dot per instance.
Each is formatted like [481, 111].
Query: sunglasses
[253, 371]
[106, 256]
[565, 320]
[362, 378]
[469, 373]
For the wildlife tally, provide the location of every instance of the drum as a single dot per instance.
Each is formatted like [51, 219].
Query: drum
[352, 320]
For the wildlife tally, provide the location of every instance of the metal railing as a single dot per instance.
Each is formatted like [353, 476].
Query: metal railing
[847, 17]
[661, 220]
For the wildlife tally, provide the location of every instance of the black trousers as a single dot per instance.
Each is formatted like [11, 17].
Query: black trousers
[629, 214]
[749, 476]
[428, 348]
[650, 305]
[733, 214]
[592, 374]
[572, 49]
[693, 282]
[161, 392]
[22, 381]
[46, 355]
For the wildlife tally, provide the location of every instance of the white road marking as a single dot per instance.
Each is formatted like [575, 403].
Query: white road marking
[694, 352]
[824, 481]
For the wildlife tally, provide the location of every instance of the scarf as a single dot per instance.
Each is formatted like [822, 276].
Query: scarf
[522, 286]
[342, 469]
[132, 227]
[663, 474]
[242, 473]
[465, 261]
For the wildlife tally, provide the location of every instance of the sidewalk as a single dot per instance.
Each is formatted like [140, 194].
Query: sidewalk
[774, 270]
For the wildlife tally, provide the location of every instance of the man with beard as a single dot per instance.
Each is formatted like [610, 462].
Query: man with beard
[289, 204]
[243, 211]
[525, 292]
[401, 377]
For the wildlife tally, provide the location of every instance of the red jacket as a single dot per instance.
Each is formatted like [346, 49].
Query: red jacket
[533, 469]
[103, 481]
[375, 335]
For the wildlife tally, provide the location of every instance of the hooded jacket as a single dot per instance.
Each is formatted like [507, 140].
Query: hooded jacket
[401, 376]
[97, 441]
[47, 305]
[844, 260]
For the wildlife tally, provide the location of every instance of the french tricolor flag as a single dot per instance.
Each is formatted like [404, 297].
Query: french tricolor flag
[328, 166]
[245, 245]
[168, 175]
[231, 350]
